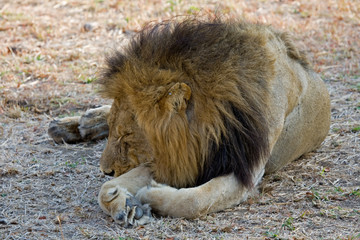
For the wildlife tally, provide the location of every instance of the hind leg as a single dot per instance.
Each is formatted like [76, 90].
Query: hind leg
[305, 127]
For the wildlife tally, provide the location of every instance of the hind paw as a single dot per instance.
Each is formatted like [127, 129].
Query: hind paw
[90, 126]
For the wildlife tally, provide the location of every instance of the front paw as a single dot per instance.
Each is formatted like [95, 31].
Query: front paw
[123, 207]
[160, 197]
[168, 201]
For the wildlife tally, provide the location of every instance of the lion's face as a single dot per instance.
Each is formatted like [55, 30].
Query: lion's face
[127, 145]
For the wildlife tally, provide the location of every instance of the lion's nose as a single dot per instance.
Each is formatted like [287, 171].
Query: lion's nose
[110, 173]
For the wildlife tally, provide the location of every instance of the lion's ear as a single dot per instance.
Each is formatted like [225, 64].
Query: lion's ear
[176, 98]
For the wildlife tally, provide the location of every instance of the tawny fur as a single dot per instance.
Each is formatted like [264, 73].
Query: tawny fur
[207, 107]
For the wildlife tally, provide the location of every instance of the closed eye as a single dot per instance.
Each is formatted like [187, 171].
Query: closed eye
[121, 138]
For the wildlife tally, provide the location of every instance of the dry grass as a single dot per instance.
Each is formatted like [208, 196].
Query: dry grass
[50, 52]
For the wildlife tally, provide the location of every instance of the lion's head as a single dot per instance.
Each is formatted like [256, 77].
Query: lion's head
[189, 101]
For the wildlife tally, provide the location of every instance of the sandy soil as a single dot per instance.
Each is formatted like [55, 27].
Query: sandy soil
[50, 53]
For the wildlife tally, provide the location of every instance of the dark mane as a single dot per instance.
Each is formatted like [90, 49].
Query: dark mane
[238, 153]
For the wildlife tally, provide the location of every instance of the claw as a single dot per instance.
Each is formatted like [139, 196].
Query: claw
[136, 213]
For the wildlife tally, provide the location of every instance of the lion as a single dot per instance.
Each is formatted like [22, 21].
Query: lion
[201, 111]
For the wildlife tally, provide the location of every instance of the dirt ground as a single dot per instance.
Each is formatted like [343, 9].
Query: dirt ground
[50, 54]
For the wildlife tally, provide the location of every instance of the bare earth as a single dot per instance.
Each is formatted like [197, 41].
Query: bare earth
[50, 54]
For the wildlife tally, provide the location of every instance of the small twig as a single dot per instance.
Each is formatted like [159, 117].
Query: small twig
[284, 203]
[62, 234]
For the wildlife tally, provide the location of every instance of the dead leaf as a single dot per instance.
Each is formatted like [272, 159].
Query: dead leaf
[227, 229]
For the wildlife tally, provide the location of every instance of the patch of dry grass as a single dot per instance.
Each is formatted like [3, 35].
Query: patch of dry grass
[50, 53]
